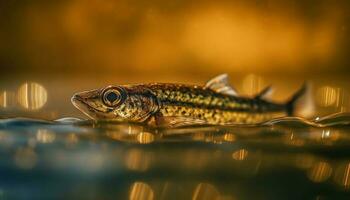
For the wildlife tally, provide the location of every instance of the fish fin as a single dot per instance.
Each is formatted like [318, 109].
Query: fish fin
[265, 93]
[173, 122]
[301, 103]
[220, 84]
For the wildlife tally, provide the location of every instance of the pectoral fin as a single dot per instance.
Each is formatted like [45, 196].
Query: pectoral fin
[221, 85]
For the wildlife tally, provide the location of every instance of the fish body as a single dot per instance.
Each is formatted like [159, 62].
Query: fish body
[173, 105]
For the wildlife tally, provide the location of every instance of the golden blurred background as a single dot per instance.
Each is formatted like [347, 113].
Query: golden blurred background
[51, 49]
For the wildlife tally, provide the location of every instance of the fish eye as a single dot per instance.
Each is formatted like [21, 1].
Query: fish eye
[111, 97]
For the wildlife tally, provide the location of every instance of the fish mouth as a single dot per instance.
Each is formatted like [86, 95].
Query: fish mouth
[80, 103]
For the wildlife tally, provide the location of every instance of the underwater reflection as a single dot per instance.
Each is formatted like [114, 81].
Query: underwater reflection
[145, 137]
[45, 136]
[141, 191]
[320, 172]
[136, 162]
[342, 175]
[240, 154]
[205, 191]
[71, 139]
[25, 158]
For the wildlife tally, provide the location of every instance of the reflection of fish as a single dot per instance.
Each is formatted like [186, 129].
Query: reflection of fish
[162, 104]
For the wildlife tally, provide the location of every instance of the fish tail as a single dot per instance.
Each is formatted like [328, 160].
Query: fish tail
[301, 103]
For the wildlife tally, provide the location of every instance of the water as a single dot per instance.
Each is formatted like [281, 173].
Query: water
[288, 158]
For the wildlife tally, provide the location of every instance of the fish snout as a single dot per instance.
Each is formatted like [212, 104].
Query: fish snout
[77, 100]
[81, 98]
[76, 97]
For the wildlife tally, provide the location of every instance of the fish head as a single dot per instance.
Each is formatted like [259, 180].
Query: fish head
[100, 104]
[116, 103]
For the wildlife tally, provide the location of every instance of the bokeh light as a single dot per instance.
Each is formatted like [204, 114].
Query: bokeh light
[7, 99]
[145, 137]
[138, 160]
[240, 154]
[230, 137]
[320, 172]
[45, 136]
[141, 191]
[205, 191]
[32, 96]
[3, 99]
[6, 139]
[199, 136]
[72, 139]
[25, 158]
[327, 96]
[304, 161]
[252, 84]
[342, 175]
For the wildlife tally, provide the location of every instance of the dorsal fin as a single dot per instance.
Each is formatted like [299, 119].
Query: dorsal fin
[265, 93]
[221, 85]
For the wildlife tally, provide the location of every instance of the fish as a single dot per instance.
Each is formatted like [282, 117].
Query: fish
[177, 105]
